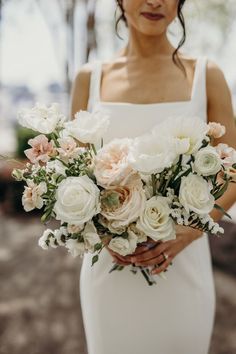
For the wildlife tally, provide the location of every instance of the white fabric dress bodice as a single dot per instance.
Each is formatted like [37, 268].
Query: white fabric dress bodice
[121, 313]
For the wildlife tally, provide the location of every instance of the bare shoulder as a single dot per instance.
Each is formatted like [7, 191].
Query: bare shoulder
[80, 89]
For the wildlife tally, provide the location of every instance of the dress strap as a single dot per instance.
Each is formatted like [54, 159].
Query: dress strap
[199, 93]
[94, 88]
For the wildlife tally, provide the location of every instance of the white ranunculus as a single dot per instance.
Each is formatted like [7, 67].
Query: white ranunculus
[77, 200]
[45, 237]
[151, 154]
[41, 118]
[188, 132]
[88, 127]
[207, 162]
[195, 194]
[75, 247]
[155, 220]
[124, 246]
[91, 237]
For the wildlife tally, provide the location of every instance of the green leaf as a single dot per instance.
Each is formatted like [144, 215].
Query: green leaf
[98, 246]
[95, 259]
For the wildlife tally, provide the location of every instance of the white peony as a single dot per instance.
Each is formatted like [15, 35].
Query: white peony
[75, 247]
[91, 237]
[207, 162]
[32, 196]
[88, 127]
[151, 154]
[124, 246]
[45, 237]
[155, 220]
[195, 194]
[41, 118]
[77, 200]
[188, 132]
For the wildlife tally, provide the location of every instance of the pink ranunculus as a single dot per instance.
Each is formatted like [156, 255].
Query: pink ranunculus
[41, 149]
[111, 165]
[121, 206]
[68, 148]
[227, 154]
[216, 130]
[32, 196]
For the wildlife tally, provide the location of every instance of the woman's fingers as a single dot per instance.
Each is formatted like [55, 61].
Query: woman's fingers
[150, 262]
[155, 252]
[161, 267]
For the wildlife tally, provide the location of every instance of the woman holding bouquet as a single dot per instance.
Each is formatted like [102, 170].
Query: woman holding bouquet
[147, 82]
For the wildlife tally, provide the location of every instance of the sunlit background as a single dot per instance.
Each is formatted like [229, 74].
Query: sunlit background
[43, 44]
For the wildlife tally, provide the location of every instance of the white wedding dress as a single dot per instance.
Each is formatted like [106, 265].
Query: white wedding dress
[121, 313]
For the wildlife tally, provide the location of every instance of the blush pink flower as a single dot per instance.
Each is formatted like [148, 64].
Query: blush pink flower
[227, 154]
[111, 165]
[32, 196]
[231, 172]
[41, 149]
[216, 130]
[68, 148]
[121, 206]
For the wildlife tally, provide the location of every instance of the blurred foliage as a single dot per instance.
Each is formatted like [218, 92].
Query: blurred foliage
[23, 135]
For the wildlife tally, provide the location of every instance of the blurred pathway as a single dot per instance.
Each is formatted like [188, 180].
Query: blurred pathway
[39, 299]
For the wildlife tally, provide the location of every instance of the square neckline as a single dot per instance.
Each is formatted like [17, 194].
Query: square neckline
[188, 102]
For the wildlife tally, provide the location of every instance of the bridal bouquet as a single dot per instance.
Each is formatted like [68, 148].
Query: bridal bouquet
[127, 192]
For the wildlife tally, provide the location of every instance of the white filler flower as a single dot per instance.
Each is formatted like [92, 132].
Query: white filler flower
[75, 247]
[207, 162]
[77, 200]
[195, 194]
[41, 118]
[91, 237]
[88, 127]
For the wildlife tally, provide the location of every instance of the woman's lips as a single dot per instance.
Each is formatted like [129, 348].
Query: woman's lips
[151, 16]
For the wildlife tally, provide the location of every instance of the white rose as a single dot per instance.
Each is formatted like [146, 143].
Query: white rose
[124, 246]
[155, 220]
[151, 154]
[88, 127]
[188, 132]
[77, 200]
[45, 237]
[91, 237]
[75, 247]
[41, 118]
[195, 194]
[207, 162]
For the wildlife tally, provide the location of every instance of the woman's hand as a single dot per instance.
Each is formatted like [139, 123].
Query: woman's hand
[126, 260]
[163, 253]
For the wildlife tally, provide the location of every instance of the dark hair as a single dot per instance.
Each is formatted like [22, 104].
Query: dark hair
[180, 15]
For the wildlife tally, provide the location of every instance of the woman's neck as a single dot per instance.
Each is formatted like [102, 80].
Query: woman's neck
[141, 46]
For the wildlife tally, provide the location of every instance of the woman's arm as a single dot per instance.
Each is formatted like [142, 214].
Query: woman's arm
[220, 110]
[80, 90]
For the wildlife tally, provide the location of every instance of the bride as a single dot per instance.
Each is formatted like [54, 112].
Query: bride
[146, 82]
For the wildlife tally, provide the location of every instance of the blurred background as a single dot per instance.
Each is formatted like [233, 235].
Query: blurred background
[42, 46]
